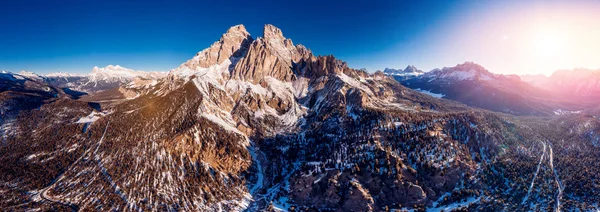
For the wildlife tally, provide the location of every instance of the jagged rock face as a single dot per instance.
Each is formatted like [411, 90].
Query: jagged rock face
[303, 54]
[261, 62]
[279, 45]
[233, 43]
[258, 86]
[321, 66]
[272, 55]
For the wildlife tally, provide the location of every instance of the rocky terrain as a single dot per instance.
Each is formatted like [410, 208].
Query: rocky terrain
[262, 124]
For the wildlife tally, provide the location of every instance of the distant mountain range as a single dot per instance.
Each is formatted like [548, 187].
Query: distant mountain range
[473, 85]
[583, 83]
[100, 79]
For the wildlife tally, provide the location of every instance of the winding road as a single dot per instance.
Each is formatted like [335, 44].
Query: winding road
[44, 192]
[44, 195]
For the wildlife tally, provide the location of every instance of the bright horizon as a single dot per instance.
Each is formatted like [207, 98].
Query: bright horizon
[507, 37]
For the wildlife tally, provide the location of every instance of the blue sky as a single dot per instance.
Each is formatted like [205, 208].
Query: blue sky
[73, 36]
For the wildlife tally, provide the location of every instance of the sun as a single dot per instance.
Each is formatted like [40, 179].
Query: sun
[548, 46]
[549, 50]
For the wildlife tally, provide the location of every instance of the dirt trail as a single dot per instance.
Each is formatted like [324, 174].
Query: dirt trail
[535, 175]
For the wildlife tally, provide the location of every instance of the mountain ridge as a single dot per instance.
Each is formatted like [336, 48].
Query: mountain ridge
[100, 79]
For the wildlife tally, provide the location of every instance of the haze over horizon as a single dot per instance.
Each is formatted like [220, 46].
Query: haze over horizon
[508, 37]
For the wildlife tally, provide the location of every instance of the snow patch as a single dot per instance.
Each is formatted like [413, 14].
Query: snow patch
[222, 123]
[354, 83]
[455, 206]
[92, 117]
[565, 112]
[436, 95]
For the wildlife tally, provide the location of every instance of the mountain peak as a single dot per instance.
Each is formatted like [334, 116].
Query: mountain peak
[27, 73]
[471, 65]
[410, 70]
[237, 28]
[464, 71]
[64, 74]
[233, 44]
[110, 68]
[30, 74]
[272, 32]
[235, 32]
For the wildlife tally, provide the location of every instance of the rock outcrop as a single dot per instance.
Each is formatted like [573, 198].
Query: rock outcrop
[234, 43]
[272, 55]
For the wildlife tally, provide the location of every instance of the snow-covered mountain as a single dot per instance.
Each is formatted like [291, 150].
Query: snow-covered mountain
[461, 72]
[261, 124]
[409, 71]
[63, 74]
[117, 73]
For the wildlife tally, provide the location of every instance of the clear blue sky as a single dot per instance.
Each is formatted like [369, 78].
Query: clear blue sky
[73, 36]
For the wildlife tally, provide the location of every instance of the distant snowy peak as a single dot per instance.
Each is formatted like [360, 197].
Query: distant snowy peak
[460, 72]
[63, 74]
[114, 70]
[22, 75]
[412, 69]
[122, 74]
[30, 75]
[408, 71]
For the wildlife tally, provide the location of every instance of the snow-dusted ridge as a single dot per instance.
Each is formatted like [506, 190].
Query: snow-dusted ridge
[465, 71]
[64, 74]
[408, 71]
[119, 73]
